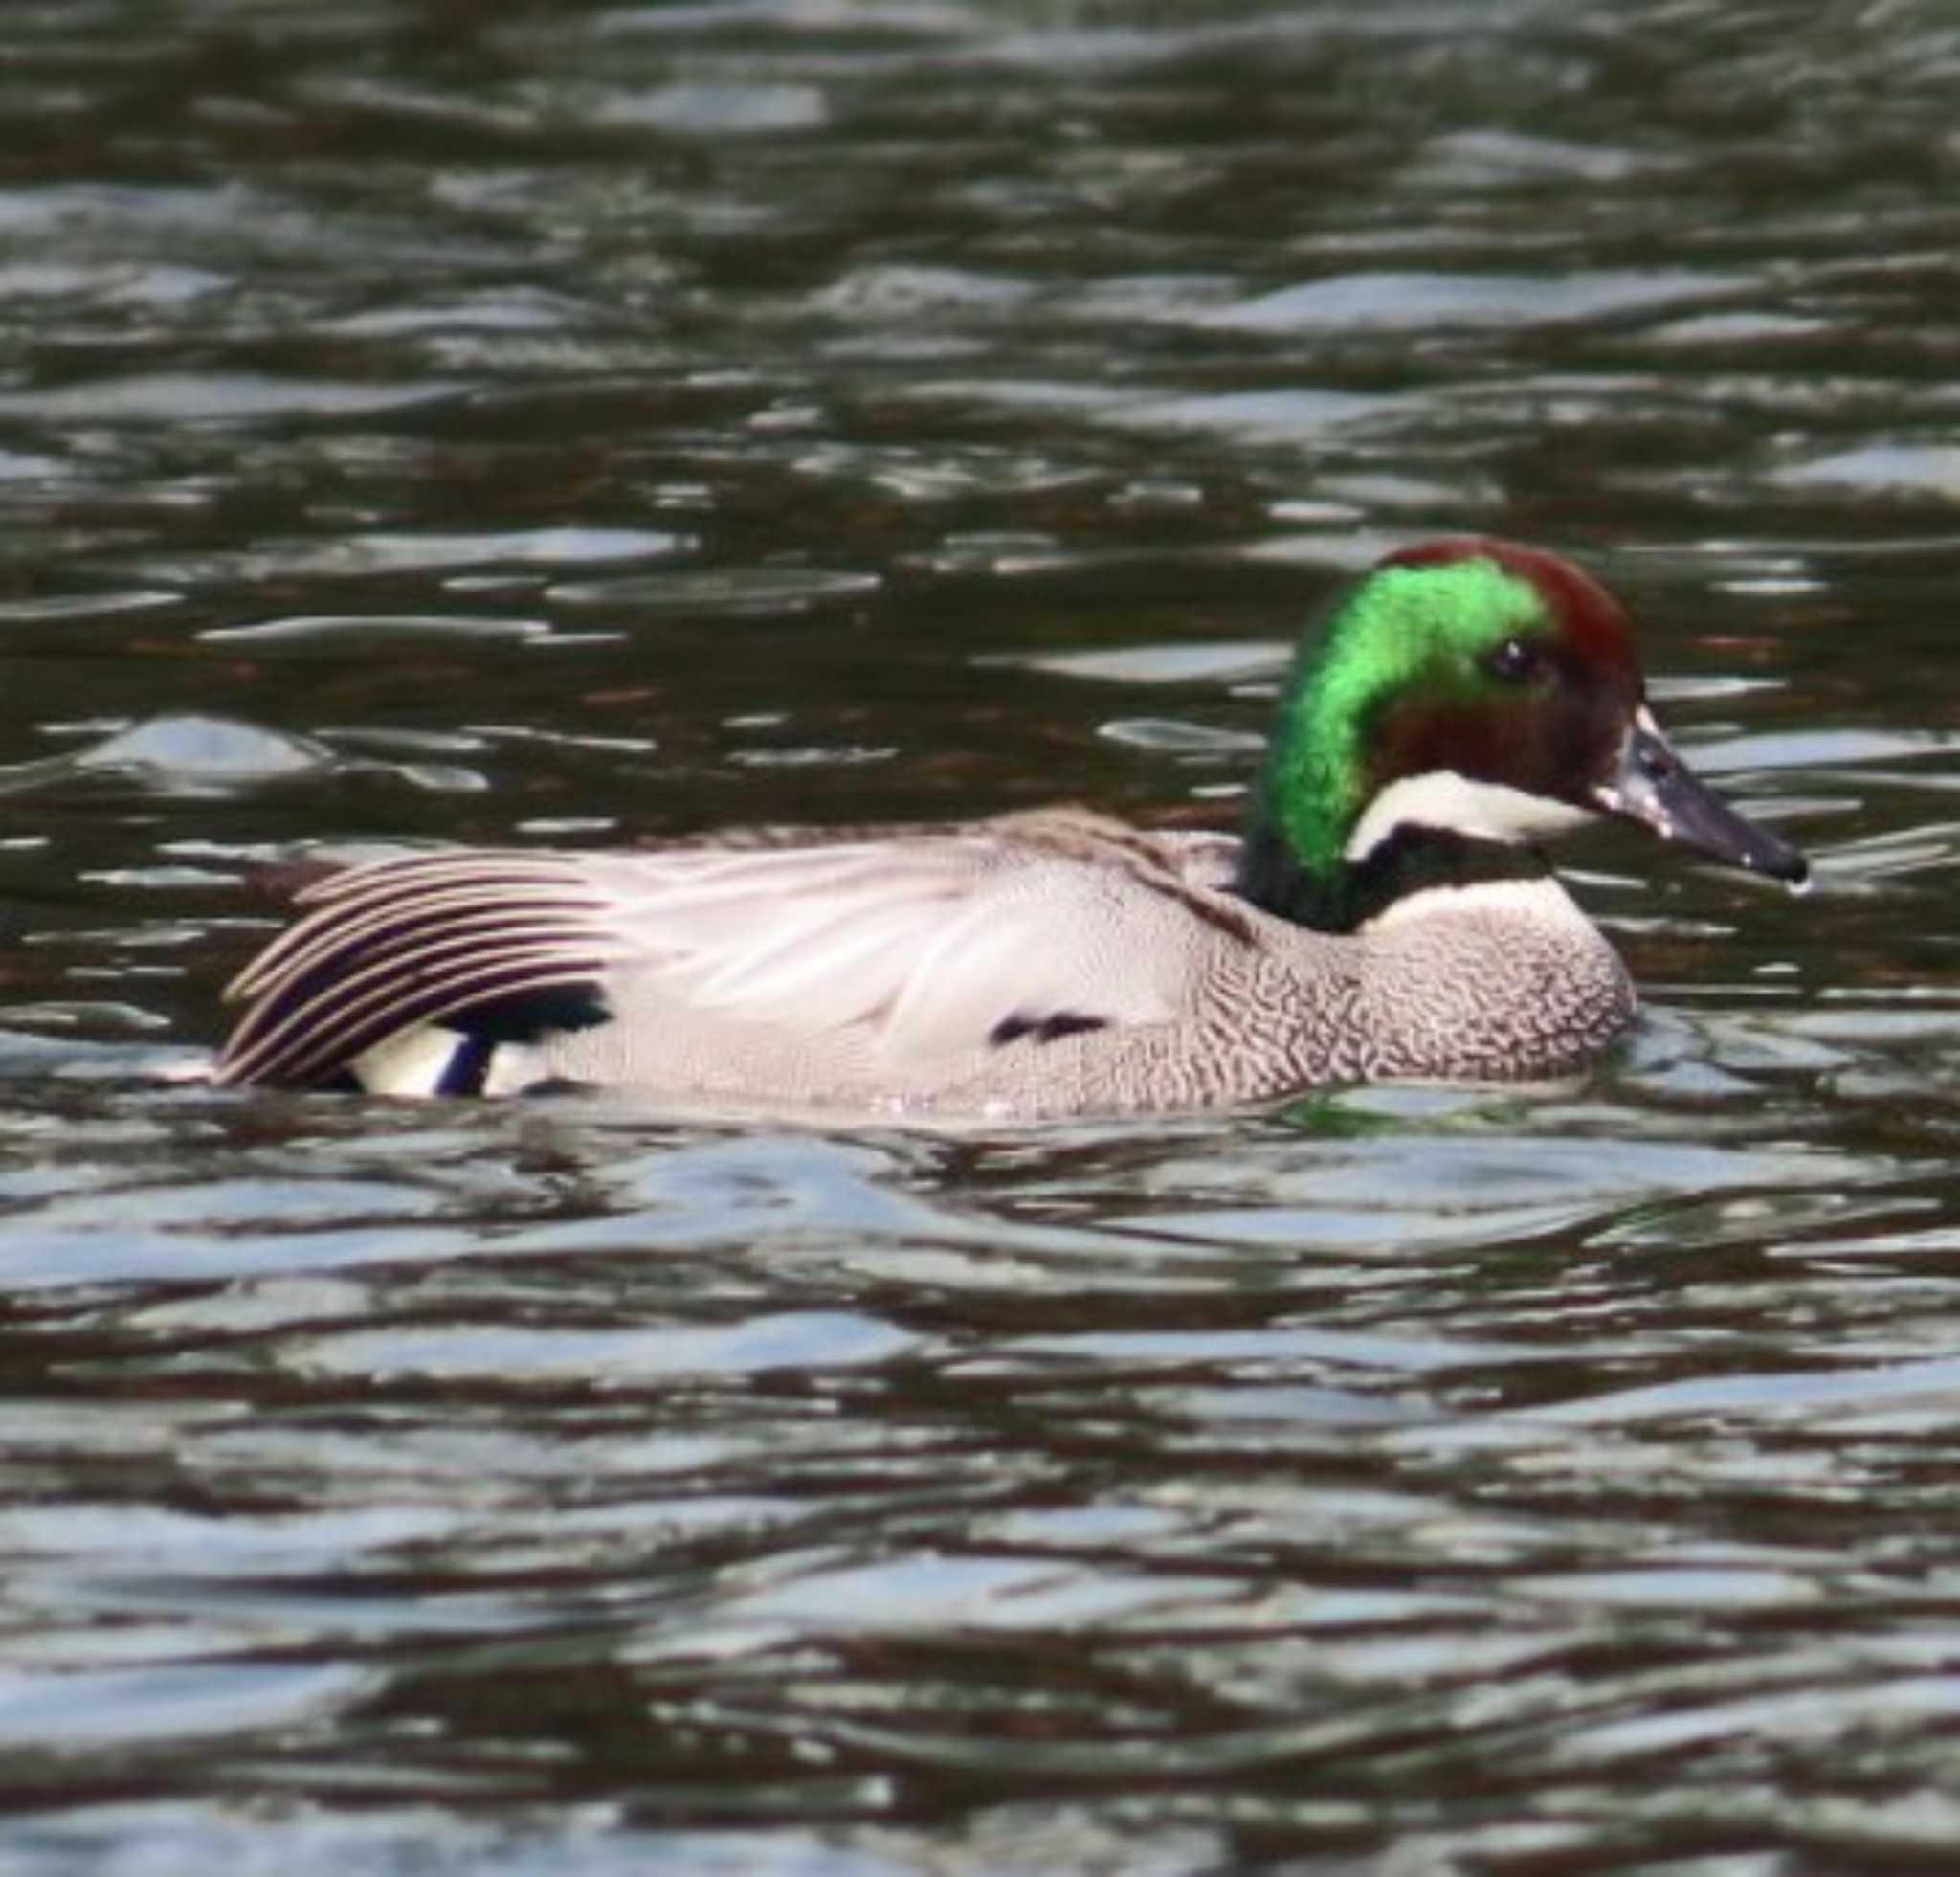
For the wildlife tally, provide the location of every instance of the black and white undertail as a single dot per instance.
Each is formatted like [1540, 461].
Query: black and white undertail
[496, 944]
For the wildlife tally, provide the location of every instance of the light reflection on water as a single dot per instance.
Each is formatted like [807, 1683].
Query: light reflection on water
[645, 418]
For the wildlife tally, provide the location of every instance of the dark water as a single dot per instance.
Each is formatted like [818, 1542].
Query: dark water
[522, 422]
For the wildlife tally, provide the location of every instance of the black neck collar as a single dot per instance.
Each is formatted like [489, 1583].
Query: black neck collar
[1409, 861]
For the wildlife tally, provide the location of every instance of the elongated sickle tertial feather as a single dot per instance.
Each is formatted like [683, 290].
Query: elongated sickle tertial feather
[384, 948]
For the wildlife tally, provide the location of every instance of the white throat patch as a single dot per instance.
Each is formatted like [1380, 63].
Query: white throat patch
[1454, 804]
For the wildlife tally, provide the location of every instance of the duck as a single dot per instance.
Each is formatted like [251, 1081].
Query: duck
[1386, 911]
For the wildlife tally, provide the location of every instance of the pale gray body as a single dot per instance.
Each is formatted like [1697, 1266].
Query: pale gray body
[1058, 963]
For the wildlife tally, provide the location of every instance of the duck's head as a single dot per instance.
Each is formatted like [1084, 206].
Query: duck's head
[1462, 701]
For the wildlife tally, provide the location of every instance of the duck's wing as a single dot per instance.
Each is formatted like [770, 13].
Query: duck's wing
[925, 942]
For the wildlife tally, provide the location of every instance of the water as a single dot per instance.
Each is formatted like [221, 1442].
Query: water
[512, 423]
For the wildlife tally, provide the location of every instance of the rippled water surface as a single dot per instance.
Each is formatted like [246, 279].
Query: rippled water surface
[519, 422]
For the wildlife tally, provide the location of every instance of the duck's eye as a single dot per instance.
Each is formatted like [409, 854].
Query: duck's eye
[1514, 660]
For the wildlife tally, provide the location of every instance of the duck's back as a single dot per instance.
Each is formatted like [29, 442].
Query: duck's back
[773, 965]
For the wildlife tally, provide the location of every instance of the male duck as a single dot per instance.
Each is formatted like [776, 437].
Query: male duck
[1384, 915]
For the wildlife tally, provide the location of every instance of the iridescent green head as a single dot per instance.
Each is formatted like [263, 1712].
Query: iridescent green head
[1463, 700]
